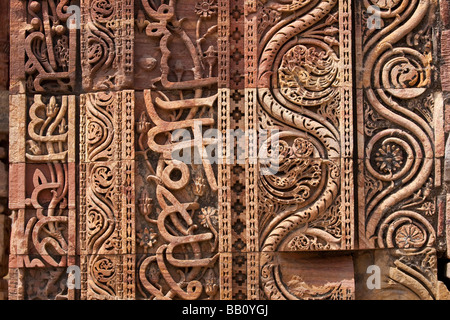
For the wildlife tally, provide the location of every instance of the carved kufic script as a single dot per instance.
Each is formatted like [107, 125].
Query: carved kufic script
[160, 28]
[43, 206]
[48, 130]
[47, 231]
[399, 111]
[178, 219]
[47, 46]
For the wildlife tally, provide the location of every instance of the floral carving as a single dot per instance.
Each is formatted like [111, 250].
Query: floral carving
[206, 8]
[104, 270]
[199, 186]
[389, 158]
[208, 217]
[297, 171]
[400, 146]
[303, 242]
[147, 238]
[409, 236]
[303, 73]
[308, 76]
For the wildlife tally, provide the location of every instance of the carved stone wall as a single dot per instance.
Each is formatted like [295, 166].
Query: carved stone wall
[5, 221]
[228, 149]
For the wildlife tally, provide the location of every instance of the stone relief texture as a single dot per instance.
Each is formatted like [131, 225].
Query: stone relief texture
[5, 221]
[143, 137]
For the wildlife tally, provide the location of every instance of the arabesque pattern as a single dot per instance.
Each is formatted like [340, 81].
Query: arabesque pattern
[226, 149]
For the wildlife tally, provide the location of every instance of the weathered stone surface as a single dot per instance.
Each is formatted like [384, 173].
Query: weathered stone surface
[226, 149]
[5, 232]
[396, 274]
[5, 221]
[5, 224]
[445, 51]
[3, 289]
[312, 276]
[107, 196]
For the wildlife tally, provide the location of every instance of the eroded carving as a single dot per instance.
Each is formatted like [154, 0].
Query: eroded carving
[170, 209]
[399, 146]
[50, 46]
[107, 39]
[107, 195]
[301, 86]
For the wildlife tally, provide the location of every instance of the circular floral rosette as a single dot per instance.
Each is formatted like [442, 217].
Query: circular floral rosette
[395, 154]
[405, 230]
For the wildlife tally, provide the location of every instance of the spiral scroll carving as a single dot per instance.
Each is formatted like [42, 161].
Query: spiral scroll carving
[299, 83]
[399, 69]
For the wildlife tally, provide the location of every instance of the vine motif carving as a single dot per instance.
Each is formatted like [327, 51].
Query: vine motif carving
[302, 69]
[48, 130]
[107, 208]
[330, 291]
[107, 44]
[399, 146]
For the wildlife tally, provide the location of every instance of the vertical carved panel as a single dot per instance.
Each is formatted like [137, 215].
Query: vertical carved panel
[42, 157]
[178, 222]
[400, 114]
[224, 197]
[107, 211]
[42, 196]
[305, 97]
[251, 149]
[224, 166]
[107, 169]
[445, 82]
[5, 221]
[237, 146]
[107, 42]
